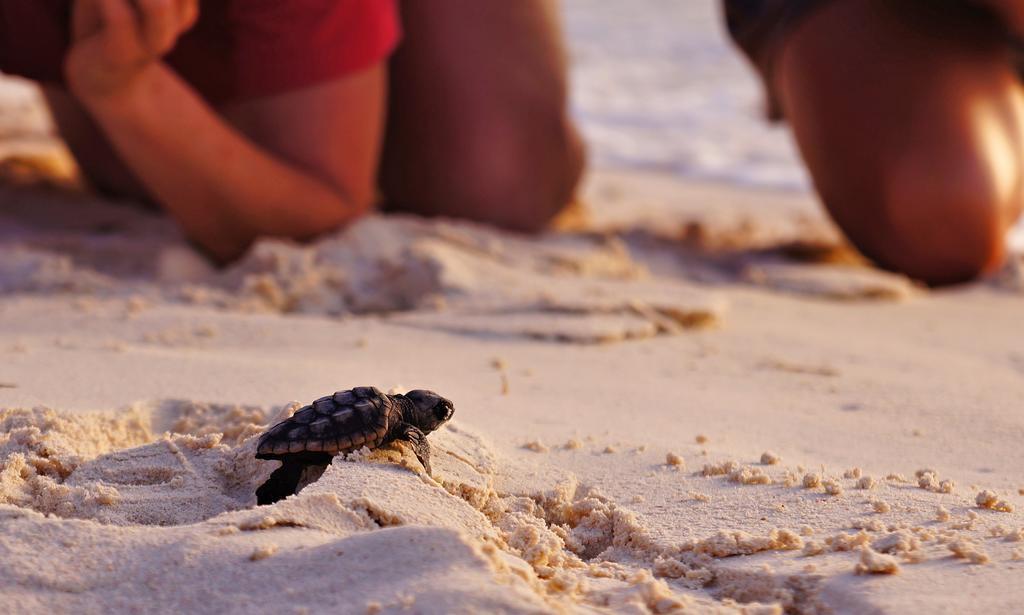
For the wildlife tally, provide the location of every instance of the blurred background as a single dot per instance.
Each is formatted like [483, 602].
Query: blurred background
[656, 85]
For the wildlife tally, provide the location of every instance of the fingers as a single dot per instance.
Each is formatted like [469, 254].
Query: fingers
[159, 25]
[149, 26]
[115, 12]
[163, 21]
[118, 25]
[188, 13]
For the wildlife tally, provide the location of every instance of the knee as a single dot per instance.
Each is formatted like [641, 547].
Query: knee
[939, 228]
[514, 173]
[517, 175]
[921, 162]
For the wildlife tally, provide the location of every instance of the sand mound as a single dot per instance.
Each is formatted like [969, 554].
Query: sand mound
[502, 283]
[111, 468]
[344, 568]
[383, 532]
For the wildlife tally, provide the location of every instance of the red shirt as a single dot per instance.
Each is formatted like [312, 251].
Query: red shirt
[238, 49]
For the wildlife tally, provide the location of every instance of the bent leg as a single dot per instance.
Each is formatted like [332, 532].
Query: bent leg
[910, 118]
[478, 126]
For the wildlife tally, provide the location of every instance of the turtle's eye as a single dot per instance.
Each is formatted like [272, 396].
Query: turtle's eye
[443, 411]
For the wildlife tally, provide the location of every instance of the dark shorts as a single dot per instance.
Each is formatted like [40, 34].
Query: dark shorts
[760, 27]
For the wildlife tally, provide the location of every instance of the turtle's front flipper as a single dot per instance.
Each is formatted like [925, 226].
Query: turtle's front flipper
[418, 440]
[282, 483]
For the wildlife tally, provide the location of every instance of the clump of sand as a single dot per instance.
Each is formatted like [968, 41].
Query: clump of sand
[929, 479]
[675, 461]
[880, 506]
[966, 549]
[900, 541]
[719, 469]
[832, 487]
[737, 542]
[749, 476]
[572, 444]
[811, 480]
[866, 482]
[872, 525]
[848, 542]
[872, 562]
[989, 499]
[536, 446]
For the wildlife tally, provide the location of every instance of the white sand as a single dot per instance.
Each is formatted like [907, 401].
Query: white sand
[596, 372]
[134, 379]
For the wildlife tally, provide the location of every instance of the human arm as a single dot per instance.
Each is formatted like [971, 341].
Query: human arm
[288, 165]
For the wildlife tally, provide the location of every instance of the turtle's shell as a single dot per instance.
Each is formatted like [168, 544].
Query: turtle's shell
[339, 423]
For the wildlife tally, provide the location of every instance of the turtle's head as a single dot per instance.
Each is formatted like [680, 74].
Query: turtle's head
[429, 410]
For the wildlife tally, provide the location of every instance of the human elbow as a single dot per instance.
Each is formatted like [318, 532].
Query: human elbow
[320, 214]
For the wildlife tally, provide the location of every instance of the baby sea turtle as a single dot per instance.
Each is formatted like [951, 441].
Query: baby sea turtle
[342, 423]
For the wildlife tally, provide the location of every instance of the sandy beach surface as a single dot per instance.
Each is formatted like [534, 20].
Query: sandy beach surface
[689, 398]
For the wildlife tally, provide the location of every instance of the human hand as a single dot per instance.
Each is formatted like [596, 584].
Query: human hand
[114, 41]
